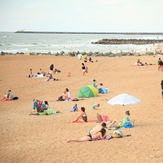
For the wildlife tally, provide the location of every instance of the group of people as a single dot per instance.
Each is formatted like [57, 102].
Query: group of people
[88, 60]
[100, 88]
[99, 131]
[42, 73]
[139, 63]
[41, 108]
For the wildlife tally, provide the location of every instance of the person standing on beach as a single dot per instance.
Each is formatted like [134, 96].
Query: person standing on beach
[162, 88]
[160, 64]
[83, 68]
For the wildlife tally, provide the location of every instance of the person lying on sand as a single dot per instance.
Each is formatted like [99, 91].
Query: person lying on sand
[138, 63]
[95, 106]
[9, 96]
[99, 135]
[117, 123]
[82, 116]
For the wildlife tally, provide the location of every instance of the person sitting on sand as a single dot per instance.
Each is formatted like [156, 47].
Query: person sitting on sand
[99, 135]
[101, 88]
[95, 106]
[63, 97]
[50, 77]
[46, 105]
[117, 123]
[9, 96]
[75, 108]
[90, 59]
[68, 93]
[82, 116]
[30, 74]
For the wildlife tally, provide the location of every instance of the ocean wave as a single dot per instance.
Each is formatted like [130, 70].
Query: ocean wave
[14, 51]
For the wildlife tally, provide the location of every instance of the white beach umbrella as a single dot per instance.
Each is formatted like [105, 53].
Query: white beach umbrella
[123, 99]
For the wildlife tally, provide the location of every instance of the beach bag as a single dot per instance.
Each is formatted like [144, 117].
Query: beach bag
[75, 99]
[51, 67]
[128, 125]
[117, 134]
[105, 118]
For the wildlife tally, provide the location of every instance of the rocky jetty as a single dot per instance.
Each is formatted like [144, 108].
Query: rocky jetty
[127, 41]
[75, 53]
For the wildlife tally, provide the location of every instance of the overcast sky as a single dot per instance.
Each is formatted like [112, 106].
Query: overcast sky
[82, 15]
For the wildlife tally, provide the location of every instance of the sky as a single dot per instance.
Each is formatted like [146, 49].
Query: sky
[82, 15]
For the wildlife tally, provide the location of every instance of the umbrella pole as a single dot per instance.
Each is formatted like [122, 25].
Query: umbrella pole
[124, 109]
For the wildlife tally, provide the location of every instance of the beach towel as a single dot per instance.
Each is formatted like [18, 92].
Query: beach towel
[5, 100]
[83, 121]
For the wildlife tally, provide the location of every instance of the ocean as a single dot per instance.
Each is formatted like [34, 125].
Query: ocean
[43, 43]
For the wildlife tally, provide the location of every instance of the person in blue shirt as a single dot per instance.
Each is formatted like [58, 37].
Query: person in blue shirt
[95, 106]
[75, 108]
[94, 83]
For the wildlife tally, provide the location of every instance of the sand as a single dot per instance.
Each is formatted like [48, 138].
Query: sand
[26, 138]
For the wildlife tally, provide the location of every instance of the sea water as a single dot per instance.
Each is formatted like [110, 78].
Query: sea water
[43, 43]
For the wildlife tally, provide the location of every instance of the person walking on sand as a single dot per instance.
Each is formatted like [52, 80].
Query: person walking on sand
[162, 88]
[160, 64]
[99, 135]
[83, 68]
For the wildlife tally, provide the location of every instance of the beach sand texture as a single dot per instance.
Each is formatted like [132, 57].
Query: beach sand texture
[28, 138]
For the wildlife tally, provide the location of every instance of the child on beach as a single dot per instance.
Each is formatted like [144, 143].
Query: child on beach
[30, 74]
[94, 83]
[95, 106]
[75, 108]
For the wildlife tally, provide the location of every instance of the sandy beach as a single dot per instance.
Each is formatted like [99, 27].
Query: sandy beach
[27, 138]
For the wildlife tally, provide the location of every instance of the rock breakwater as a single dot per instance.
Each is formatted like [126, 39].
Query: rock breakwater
[128, 41]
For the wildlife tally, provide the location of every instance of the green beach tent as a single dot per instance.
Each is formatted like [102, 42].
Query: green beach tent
[88, 91]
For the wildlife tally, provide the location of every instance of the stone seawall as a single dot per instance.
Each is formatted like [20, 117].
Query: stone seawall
[128, 41]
